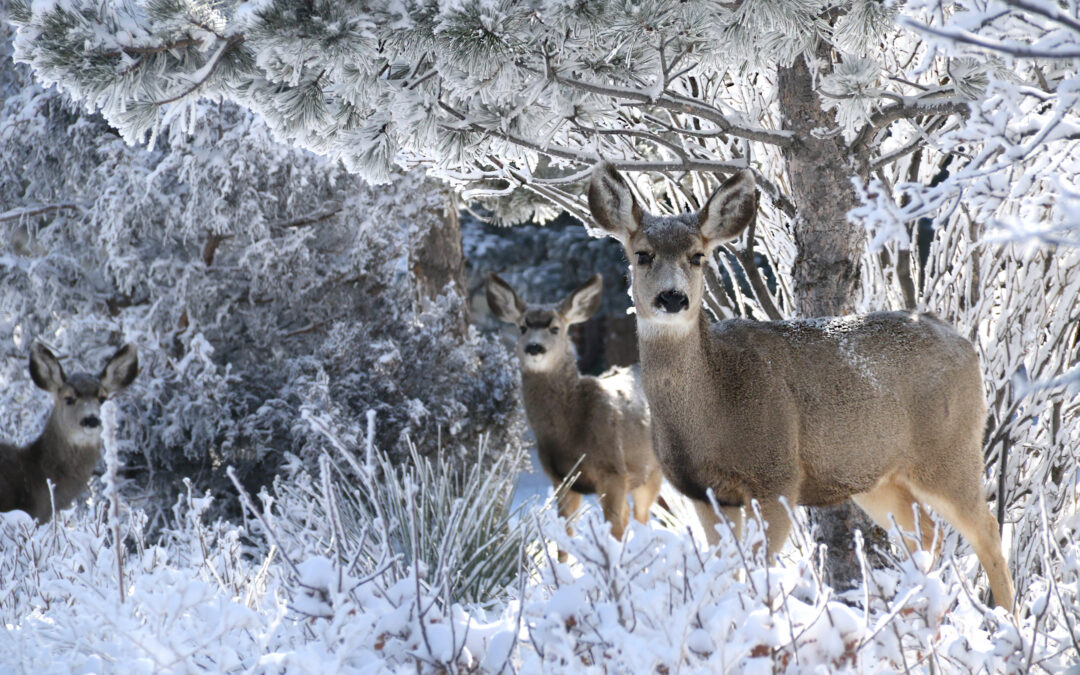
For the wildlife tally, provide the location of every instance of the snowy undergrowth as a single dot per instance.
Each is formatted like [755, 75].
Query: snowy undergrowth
[314, 583]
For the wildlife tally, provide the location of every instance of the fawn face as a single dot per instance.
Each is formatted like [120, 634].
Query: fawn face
[77, 399]
[667, 253]
[545, 337]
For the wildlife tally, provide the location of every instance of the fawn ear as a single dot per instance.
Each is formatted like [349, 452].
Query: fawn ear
[612, 203]
[503, 301]
[121, 369]
[45, 370]
[729, 210]
[583, 303]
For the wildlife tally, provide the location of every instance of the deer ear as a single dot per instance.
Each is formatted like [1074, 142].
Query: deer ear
[45, 370]
[583, 303]
[121, 369]
[729, 210]
[612, 203]
[503, 301]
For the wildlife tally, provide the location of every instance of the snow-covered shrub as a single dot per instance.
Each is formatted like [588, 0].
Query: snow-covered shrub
[659, 603]
[307, 597]
[447, 522]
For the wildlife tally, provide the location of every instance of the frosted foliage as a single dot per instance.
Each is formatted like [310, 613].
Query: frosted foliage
[1016, 158]
[255, 278]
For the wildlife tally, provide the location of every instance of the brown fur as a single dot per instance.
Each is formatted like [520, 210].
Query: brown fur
[601, 421]
[885, 408]
[67, 450]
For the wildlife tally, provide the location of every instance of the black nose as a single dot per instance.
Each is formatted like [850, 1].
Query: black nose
[673, 301]
[532, 349]
[91, 422]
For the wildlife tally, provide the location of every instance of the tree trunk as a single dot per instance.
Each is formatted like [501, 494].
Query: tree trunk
[436, 258]
[827, 268]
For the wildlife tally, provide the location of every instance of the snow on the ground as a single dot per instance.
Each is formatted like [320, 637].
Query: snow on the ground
[204, 600]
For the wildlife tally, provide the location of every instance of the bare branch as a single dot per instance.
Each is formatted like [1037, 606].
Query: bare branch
[143, 51]
[1052, 14]
[588, 158]
[684, 105]
[966, 37]
[901, 111]
[31, 211]
[753, 274]
[309, 219]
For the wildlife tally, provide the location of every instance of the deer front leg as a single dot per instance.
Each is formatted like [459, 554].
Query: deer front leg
[645, 495]
[778, 525]
[709, 519]
[613, 503]
[569, 503]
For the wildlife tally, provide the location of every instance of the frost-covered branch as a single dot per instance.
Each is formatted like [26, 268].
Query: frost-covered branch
[31, 211]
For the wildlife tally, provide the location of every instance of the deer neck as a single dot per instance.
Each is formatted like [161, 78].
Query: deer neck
[674, 363]
[549, 395]
[68, 464]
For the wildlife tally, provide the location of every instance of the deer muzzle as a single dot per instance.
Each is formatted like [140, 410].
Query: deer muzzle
[90, 422]
[672, 301]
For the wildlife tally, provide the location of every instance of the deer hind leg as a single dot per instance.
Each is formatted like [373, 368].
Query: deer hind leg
[890, 498]
[971, 517]
[645, 495]
[569, 503]
[709, 519]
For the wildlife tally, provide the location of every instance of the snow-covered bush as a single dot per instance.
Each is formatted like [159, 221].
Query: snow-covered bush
[296, 588]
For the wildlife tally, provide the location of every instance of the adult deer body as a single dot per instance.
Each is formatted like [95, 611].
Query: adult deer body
[68, 449]
[602, 422]
[884, 408]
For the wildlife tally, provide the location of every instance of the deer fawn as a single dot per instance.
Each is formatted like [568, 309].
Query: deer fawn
[601, 421]
[69, 447]
[885, 408]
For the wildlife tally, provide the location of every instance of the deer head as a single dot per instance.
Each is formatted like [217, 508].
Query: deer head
[667, 253]
[77, 399]
[544, 338]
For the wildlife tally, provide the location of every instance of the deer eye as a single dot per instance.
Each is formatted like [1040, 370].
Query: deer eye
[644, 258]
[523, 329]
[70, 400]
[696, 259]
[554, 330]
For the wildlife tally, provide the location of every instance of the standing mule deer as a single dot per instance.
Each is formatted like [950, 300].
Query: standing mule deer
[885, 408]
[70, 446]
[602, 422]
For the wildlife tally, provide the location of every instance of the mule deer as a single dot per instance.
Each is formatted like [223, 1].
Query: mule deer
[69, 447]
[601, 421]
[885, 408]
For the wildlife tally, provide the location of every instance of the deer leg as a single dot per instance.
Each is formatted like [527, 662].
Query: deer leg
[645, 495]
[891, 498]
[710, 519]
[778, 524]
[569, 503]
[971, 517]
[613, 503]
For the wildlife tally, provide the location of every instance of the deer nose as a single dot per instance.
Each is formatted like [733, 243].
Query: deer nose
[90, 422]
[533, 349]
[673, 301]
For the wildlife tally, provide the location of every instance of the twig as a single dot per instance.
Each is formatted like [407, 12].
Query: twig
[210, 68]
